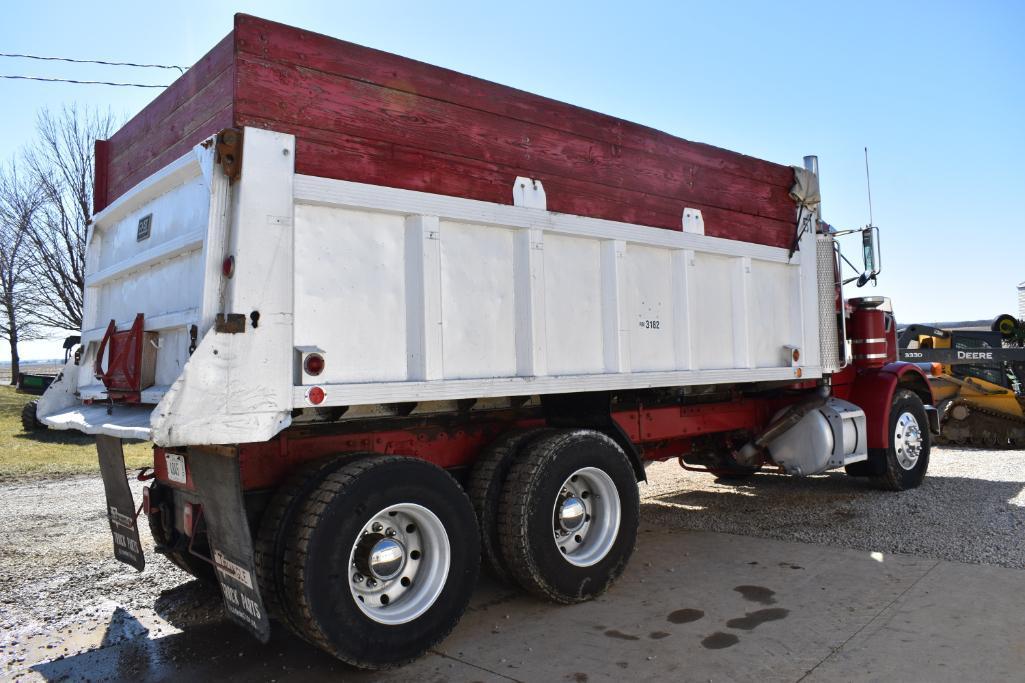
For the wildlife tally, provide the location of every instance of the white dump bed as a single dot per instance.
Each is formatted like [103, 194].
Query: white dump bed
[411, 296]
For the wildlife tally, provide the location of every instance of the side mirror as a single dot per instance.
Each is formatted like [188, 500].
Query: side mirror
[870, 254]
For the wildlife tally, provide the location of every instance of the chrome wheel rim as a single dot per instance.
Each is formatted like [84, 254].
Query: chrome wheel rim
[399, 563]
[586, 516]
[907, 441]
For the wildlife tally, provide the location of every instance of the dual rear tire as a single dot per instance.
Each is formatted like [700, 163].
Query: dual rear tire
[563, 523]
[375, 558]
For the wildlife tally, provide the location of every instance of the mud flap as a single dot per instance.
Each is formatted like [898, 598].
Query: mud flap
[215, 473]
[120, 505]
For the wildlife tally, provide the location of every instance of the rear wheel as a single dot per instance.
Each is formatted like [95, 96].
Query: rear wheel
[569, 515]
[903, 464]
[485, 489]
[269, 547]
[384, 558]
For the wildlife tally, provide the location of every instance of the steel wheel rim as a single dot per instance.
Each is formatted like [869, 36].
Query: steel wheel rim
[589, 542]
[907, 441]
[399, 563]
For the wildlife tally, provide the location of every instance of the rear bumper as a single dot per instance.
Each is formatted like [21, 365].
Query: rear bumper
[123, 422]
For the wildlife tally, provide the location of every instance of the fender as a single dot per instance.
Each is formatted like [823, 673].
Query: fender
[592, 409]
[872, 390]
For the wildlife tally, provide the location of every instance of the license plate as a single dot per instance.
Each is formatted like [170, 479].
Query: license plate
[175, 467]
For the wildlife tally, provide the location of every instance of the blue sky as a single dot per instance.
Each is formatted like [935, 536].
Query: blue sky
[935, 90]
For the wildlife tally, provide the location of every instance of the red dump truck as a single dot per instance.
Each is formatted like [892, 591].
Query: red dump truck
[380, 319]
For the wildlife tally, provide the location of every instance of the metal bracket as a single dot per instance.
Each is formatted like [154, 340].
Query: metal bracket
[230, 323]
[228, 153]
[529, 193]
[693, 222]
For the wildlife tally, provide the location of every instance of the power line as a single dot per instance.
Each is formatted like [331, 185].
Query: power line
[93, 61]
[69, 80]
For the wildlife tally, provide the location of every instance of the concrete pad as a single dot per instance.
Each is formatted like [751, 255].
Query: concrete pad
[959, 622]
[768, 611]
[691, 606]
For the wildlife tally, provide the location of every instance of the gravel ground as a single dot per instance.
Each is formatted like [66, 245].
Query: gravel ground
[58, 578]
[971, 508]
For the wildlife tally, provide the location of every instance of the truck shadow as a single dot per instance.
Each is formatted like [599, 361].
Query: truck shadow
[62, 437]
[216, 650]
[189, 604]
[210, 647]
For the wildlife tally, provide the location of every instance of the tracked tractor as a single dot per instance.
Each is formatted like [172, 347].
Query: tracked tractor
[977, 377]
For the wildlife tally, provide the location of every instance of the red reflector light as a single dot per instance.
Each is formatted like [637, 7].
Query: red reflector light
[315, 395]
[314, 364]
[228, 266]
[146, 507]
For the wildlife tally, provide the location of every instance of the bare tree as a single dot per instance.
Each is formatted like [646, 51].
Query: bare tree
[19, 202]
[61, 163]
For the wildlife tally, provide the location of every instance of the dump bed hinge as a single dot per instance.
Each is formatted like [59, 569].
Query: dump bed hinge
[229, 153]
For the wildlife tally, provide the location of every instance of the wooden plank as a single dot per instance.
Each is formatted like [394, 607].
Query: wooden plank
[364, 115]
[181, 122]
[286, 44]
[292, 95]
[179, 118]
[329, 154]
[125, 181]
[150, 119]
[101, 160]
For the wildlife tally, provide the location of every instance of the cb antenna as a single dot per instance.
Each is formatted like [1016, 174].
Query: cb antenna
[868, 182]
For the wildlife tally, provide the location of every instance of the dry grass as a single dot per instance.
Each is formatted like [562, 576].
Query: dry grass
[50, 453]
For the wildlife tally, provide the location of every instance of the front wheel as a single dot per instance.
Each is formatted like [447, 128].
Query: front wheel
[29, 422]
[902, 464]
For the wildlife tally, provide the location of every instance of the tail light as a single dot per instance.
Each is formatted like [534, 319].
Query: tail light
[315, 395]
[228, 266]
[189, 515]
[314, 364]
